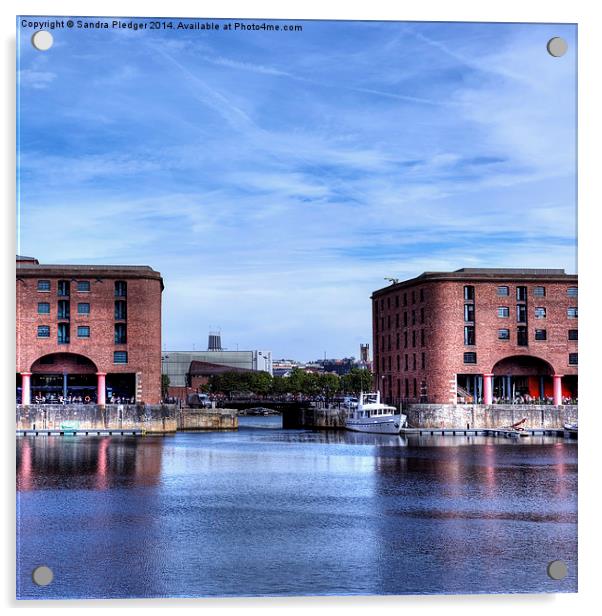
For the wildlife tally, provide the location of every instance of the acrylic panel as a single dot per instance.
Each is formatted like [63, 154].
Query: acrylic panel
[297, 308]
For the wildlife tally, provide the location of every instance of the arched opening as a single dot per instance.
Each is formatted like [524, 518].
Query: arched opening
[61, 377]
[523, 379]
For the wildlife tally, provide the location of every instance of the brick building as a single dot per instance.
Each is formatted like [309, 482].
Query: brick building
[88, 331]
[477, 335]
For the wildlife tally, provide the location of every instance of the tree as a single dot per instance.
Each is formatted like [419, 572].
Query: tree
[358, 380]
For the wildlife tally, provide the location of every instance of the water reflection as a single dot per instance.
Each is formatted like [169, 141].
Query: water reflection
[267, 511]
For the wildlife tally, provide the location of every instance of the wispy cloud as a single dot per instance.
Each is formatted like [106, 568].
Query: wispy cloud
[275, 184]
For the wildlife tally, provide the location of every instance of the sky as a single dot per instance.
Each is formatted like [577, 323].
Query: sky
[275, 179]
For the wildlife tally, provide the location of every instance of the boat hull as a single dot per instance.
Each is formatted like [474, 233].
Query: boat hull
[376, 425]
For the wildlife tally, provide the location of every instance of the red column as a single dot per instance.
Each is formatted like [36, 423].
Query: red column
[101, 397]
[558, 389]
[488, 388]
[25, 387]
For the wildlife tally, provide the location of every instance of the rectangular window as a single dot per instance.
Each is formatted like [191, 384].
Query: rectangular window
[521, 313]
[521, 336]
[64, 288]
[503, 291]
[541, 334]
[503, 312]
[63, 333]
[540, 313]
[470, 358]
[389, 321]
[397, 341]
[407, 387]
[539, 291]
[503, 334]
[83, 331]
[573, 359]
[469, 293]
[424, 361]
[405, 319]
[121, 334]
[422, 337]
[398, 363]
[83, 308]
[573, 334]
[397, 320]
[43, 285]
[405, 362]
[43, 308]
[389, 302]
[421, 295]
[413, 297]
[571, 313]
[43, 331]
[120, 357]
[413, 317]
[422, 316]
[83, 286]
[63, 309]
[572, 291]
[469, 335]
[521, 294]
[405, 299]
[121, 290]
[414, 360]
[413, 338]
[469, 313]
[405, 339]
[397, 301]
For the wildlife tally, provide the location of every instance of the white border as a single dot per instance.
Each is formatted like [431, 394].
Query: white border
[587, 15]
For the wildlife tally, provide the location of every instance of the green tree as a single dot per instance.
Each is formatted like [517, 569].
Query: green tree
[357, 380]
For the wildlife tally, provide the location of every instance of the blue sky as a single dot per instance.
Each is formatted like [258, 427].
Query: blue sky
[275, 179]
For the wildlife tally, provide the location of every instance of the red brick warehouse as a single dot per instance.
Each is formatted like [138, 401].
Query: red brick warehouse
[90, 331]
[477, 335]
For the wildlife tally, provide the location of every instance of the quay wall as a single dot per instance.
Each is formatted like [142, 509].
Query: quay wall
[449, 416]
[155, 418]
[208, 419]
[489, 416]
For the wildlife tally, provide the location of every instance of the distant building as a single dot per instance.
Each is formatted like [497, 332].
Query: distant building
[479, 334]
[177, 364]
[89, 331]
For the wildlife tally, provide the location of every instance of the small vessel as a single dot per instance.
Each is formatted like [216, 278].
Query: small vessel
[570, 430]
[371, 415]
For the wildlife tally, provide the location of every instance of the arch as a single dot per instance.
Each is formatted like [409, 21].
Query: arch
[72, 363]
[522, 365]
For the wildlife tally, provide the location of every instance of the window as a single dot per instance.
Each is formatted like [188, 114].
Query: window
[389, 302]
[121, 290]
[389, 321]
[397, 320]
[83, 331]
[469, 335]
[539, 291]
[43, 308]
[421, 295]
[413, 338]
[573, 359]
[572, 291]
[521, 313]
[83, 286]
[469, 293]
[398, 363]
[413, 297]
[503, 291]
[405, 339]
[541, 334]
[422, 337]
[414, 361]
[470, 358]
[503, 334]
[540, 313]
[63, 333]
[503, 312]
[63, 309]
[83, 308]
[405, 361]
[43, 331]
[521, 294]
[397, 341]
[422, 316]
[43, 285]
[405, 299]
[120, 357]
[64, 288]
[413, 317]
[423, 361]
[521, 336]
[405, 319]
[121, 334]
[571, 313]
[469, 312]
[573, 334]
[397, 301]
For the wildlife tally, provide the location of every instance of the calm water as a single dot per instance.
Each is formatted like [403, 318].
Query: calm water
[267, 511]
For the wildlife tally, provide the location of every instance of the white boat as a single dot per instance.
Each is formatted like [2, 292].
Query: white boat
[371, 415]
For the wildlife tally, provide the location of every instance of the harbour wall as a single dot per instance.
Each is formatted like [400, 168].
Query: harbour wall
[208, 419]
[155, 418]
[490, 416]
[448, 416]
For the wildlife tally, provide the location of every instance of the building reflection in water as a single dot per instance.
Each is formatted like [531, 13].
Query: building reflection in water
[46, 462]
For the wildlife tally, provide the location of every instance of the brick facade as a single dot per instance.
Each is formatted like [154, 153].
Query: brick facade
[419, 335]
[93, 354]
